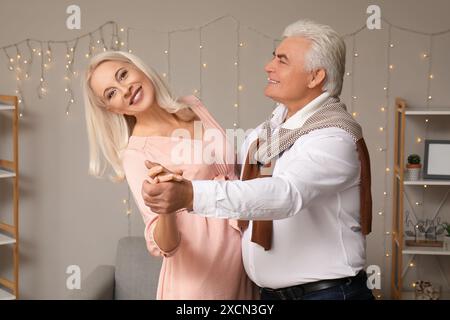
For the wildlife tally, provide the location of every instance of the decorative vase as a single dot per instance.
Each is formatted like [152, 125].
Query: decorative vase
[413, 172]
[447, 242]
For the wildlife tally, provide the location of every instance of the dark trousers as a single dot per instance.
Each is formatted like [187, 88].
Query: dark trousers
[352, 289]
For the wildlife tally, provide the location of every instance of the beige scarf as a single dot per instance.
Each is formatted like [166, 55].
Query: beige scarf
[266, 148]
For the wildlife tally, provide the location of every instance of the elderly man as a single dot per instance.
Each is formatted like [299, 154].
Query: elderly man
[305, 182]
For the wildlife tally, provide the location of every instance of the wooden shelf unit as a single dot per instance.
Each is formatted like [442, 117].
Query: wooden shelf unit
[398, 244]
[9, 169]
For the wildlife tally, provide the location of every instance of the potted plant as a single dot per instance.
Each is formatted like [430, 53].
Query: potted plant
[413, 167]
[446, 227]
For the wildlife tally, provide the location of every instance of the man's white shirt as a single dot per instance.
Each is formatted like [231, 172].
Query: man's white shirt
[313, 198]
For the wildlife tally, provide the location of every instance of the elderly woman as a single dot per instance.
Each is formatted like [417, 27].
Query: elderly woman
[131, 117]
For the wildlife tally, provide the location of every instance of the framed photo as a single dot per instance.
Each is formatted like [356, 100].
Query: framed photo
[436, 160]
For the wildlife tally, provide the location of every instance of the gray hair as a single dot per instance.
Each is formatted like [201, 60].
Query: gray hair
[327, 51]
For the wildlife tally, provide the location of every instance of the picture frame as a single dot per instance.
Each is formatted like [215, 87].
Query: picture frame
[436, 159]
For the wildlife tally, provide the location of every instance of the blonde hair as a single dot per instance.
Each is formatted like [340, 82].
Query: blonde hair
[108, 132]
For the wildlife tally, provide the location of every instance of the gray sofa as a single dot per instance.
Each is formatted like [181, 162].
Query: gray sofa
[134, 276]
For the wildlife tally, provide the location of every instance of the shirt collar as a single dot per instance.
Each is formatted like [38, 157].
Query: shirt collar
[298, 118]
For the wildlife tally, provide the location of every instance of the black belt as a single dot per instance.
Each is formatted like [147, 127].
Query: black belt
[298, 291]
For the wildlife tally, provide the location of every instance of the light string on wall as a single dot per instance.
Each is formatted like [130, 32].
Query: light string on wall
[20, 63]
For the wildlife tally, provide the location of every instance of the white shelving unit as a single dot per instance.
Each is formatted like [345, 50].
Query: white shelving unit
[9, 233]
[6, 174]
[4, 239]
[399, 249]
[426, 251]
[4, 106]
[5, 295]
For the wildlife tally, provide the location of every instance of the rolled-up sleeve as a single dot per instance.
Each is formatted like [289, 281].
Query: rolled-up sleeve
[133, 162]
[322, 166]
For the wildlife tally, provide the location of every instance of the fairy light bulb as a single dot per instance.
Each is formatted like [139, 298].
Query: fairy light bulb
[381, 129]
[431, 76]
[419, 140]
[166, 51]
[356, 55]
[241, 44]
[383, 109]
[240, 87]
[204, 65]
[122, 29]
[236, 105]
[354, 114]
[11, 60]
[380, 213]
[391, 45]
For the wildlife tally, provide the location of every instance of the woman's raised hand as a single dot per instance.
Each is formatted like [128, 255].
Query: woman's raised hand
[158, 173]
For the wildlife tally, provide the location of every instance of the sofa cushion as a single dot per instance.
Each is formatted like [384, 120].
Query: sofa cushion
[137, 272]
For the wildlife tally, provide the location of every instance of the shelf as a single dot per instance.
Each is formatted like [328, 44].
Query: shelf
[6, 107]
[6, 174]
[6, 239]
[428, 182]
[426, 251]
[5, 295]
[427, 111]
[409, 295]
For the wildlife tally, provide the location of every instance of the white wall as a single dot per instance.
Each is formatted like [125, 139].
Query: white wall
[68, 217]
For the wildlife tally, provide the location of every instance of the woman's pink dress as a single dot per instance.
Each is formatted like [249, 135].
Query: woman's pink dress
[207, 263]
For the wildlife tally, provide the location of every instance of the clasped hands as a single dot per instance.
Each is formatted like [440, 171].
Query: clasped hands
[166, 192]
